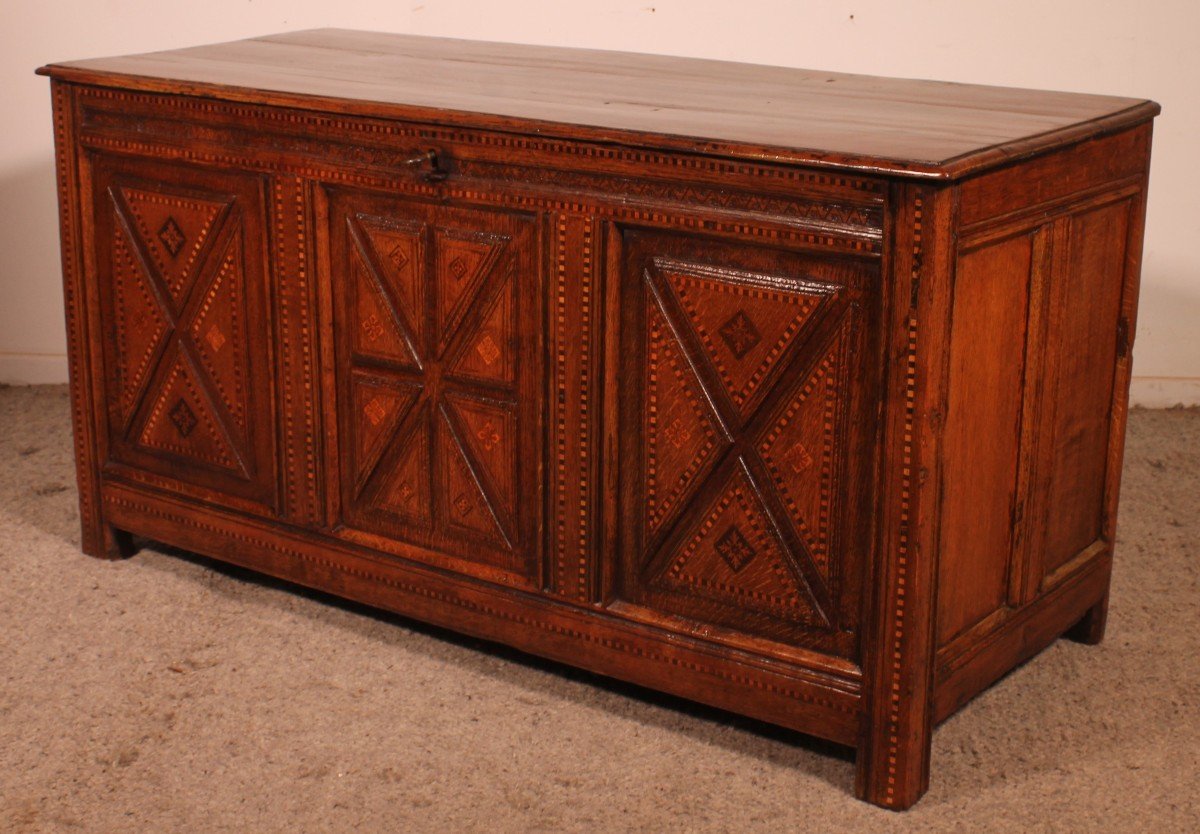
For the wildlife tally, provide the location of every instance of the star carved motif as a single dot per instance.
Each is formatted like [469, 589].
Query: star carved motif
[734, 549]
[740, 334]
[172, 236]
[184, 418]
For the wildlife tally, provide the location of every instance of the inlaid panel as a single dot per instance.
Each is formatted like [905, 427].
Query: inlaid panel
[190, 397]
[751, 396]
[435, 323]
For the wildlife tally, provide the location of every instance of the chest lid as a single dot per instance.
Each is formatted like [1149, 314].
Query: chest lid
[862, 123]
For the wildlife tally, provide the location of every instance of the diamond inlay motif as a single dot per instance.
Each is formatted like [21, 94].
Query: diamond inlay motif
[215, 338]
[172, 237]
[488, 436]
[746, 328]
[372, 328]
[487, 350]
[183, 417]
[734, 549]
[798, 458]
[740, 334]
[396, 256]
[677, 433]
[458, 268]
[375, 411]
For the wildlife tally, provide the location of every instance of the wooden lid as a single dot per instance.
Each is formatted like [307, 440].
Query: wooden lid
[862, 123]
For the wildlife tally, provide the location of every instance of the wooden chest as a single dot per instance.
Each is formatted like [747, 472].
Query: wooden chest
[796, 393]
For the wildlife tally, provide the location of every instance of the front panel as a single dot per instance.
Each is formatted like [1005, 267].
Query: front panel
[180, 254]
[436, 330]
[748, 391]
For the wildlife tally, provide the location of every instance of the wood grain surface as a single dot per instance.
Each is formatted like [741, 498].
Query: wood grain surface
[593, 355]
[925, 128]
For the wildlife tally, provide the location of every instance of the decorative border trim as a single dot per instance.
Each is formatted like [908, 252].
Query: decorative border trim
[585, 387]
[450, 189]
[899, 591]
[292, 291]
[574, 280]
[559, 405]
[832, 211]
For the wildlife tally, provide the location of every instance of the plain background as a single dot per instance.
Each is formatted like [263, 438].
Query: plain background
[1145, 49]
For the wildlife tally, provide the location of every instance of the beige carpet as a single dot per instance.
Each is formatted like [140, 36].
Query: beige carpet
[167, 693]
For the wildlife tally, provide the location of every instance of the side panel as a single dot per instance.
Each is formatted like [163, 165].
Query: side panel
[983, 420]
[1034, 352]
[1082, 352]
[1073, 262]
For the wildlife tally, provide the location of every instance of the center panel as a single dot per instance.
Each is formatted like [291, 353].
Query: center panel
[436, 314]
[750, 381]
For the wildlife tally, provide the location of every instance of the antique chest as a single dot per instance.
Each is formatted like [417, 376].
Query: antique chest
[795, 393]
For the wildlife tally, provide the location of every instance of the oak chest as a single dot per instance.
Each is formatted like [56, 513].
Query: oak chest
[796, 393]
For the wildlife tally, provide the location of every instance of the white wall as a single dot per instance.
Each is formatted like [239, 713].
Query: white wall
[1144, 49]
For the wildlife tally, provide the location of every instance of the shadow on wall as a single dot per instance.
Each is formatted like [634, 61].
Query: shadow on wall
[32, 333]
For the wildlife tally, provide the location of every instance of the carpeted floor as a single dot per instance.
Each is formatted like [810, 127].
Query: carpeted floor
[167, 693]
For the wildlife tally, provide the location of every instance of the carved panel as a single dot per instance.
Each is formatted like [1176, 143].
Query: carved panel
[683, 436]
[745, 325]
[735, 557]
[801, 445]
[217, 332]
[140, 325]
[434, 316]
[182, 421]
[188, 399]
[748, 389]
[173, 231]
